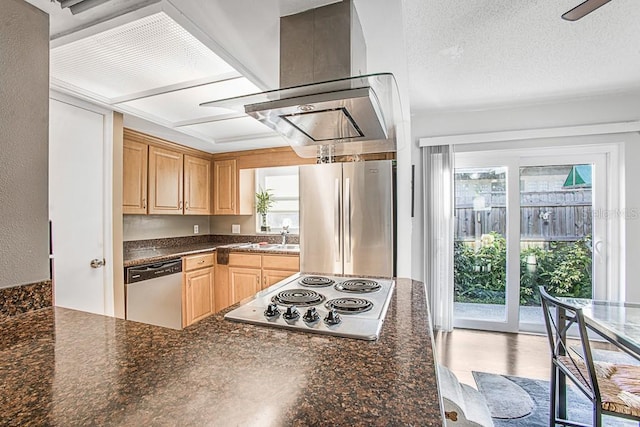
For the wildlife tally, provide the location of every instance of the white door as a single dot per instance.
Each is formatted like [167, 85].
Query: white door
[76, 207]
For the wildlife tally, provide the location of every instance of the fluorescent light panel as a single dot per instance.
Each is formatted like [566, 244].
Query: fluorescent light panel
[139, 56]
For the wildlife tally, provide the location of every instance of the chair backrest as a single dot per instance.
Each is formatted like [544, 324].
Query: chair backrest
[558, 318]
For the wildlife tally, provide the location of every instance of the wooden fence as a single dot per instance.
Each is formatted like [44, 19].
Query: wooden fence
[564, 215]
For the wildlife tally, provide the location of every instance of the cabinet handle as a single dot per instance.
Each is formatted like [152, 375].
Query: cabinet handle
[186, 205]
[201, 261]
[144, 203]
[180, 204]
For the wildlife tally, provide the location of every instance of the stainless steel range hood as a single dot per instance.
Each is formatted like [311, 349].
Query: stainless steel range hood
[325, 108]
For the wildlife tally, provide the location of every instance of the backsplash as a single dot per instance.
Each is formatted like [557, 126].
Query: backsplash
[146, 227]
[218, 238]
[142, 227]
[221, 224]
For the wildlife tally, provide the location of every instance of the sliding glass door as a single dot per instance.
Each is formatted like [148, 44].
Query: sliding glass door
[480, 255]
[522, 222]
[484, 247]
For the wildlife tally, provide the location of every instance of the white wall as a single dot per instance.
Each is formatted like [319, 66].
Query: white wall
[383, 27]
[24, 115]
[632, 219]
[620, 107]
[609, 108]
[584, 111]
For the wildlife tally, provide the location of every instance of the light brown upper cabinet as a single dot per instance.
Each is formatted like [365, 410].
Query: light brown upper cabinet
[163, 178]
[134, 177]
[165, 181]
[225, 187]
[197, 186]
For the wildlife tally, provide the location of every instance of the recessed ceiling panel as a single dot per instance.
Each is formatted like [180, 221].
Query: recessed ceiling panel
[183, 105]
[246, 127]
[143, 55]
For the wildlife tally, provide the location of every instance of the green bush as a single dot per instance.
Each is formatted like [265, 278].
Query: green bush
[480, 275]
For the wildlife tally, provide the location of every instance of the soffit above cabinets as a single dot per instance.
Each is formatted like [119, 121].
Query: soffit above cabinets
[153, 68]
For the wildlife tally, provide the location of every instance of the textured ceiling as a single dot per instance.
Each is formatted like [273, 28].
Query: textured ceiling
[465, 54]
[461, 55]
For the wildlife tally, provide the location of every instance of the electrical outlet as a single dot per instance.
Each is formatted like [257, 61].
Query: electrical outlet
[235, 228]
[196, 229]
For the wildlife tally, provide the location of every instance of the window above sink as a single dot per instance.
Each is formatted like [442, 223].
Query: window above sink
[282, 182]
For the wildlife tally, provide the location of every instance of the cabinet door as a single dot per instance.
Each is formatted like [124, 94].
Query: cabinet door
[281, 262]
[198, 295]
[197, 186]
[271, 277]
[134, 177]
[224, 194]
[244, 282]
[221, 288]
[165, 181]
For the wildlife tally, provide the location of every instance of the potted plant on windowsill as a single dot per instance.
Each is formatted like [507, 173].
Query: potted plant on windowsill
[264, 202]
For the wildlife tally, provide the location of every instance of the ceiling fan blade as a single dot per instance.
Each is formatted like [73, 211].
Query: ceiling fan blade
[583, 9]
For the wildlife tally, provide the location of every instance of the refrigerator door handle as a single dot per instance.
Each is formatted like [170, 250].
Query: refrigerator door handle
[347, 220]
[336, 219]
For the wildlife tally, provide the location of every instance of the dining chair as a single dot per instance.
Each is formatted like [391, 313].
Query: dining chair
[613, 389]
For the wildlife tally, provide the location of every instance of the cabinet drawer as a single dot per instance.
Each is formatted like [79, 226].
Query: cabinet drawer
[198, 261]
[244, 260]
[280, 262]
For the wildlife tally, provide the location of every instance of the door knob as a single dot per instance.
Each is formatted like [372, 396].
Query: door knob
[97, 263]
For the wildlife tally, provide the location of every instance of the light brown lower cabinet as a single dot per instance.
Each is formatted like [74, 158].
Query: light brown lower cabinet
[248, 273]
[271, 277]
[244, 282]
[278, 267]
[198, 300]
[221, 290]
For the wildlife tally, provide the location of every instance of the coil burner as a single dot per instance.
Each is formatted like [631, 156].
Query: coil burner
[349, 305]
[358, 286]
[298, 297]
[316, 281]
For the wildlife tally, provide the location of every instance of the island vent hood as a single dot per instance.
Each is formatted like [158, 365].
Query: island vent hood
[328, 104]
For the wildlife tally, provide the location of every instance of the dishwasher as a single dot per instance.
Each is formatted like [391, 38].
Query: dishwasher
[154, 293]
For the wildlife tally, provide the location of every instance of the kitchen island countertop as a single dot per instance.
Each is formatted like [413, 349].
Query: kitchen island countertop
[65, 367]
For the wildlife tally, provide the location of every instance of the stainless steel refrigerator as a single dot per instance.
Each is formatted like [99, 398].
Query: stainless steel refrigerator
[347, 218]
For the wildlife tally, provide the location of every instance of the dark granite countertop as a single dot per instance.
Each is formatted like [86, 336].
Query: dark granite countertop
[65, 367]
[140, 256]
[147, 255]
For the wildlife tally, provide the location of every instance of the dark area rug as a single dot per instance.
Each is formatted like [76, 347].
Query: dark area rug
[579, 407]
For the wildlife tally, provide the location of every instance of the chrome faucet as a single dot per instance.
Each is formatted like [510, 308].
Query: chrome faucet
[284, 232]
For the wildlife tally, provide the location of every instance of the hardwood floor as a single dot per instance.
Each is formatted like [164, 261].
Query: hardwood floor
[465, 350]
[522, 355]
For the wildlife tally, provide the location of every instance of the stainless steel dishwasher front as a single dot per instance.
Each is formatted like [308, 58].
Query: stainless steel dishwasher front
[154, 293]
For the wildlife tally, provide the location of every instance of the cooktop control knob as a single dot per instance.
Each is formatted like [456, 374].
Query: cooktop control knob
[332, 318]
[311, 315]
[271, 311]
[291, 313]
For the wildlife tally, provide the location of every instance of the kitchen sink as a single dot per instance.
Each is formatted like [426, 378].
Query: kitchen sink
[267, 247]
[287, 247]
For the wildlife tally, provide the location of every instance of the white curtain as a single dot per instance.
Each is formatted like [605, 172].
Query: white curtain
[438, 226]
